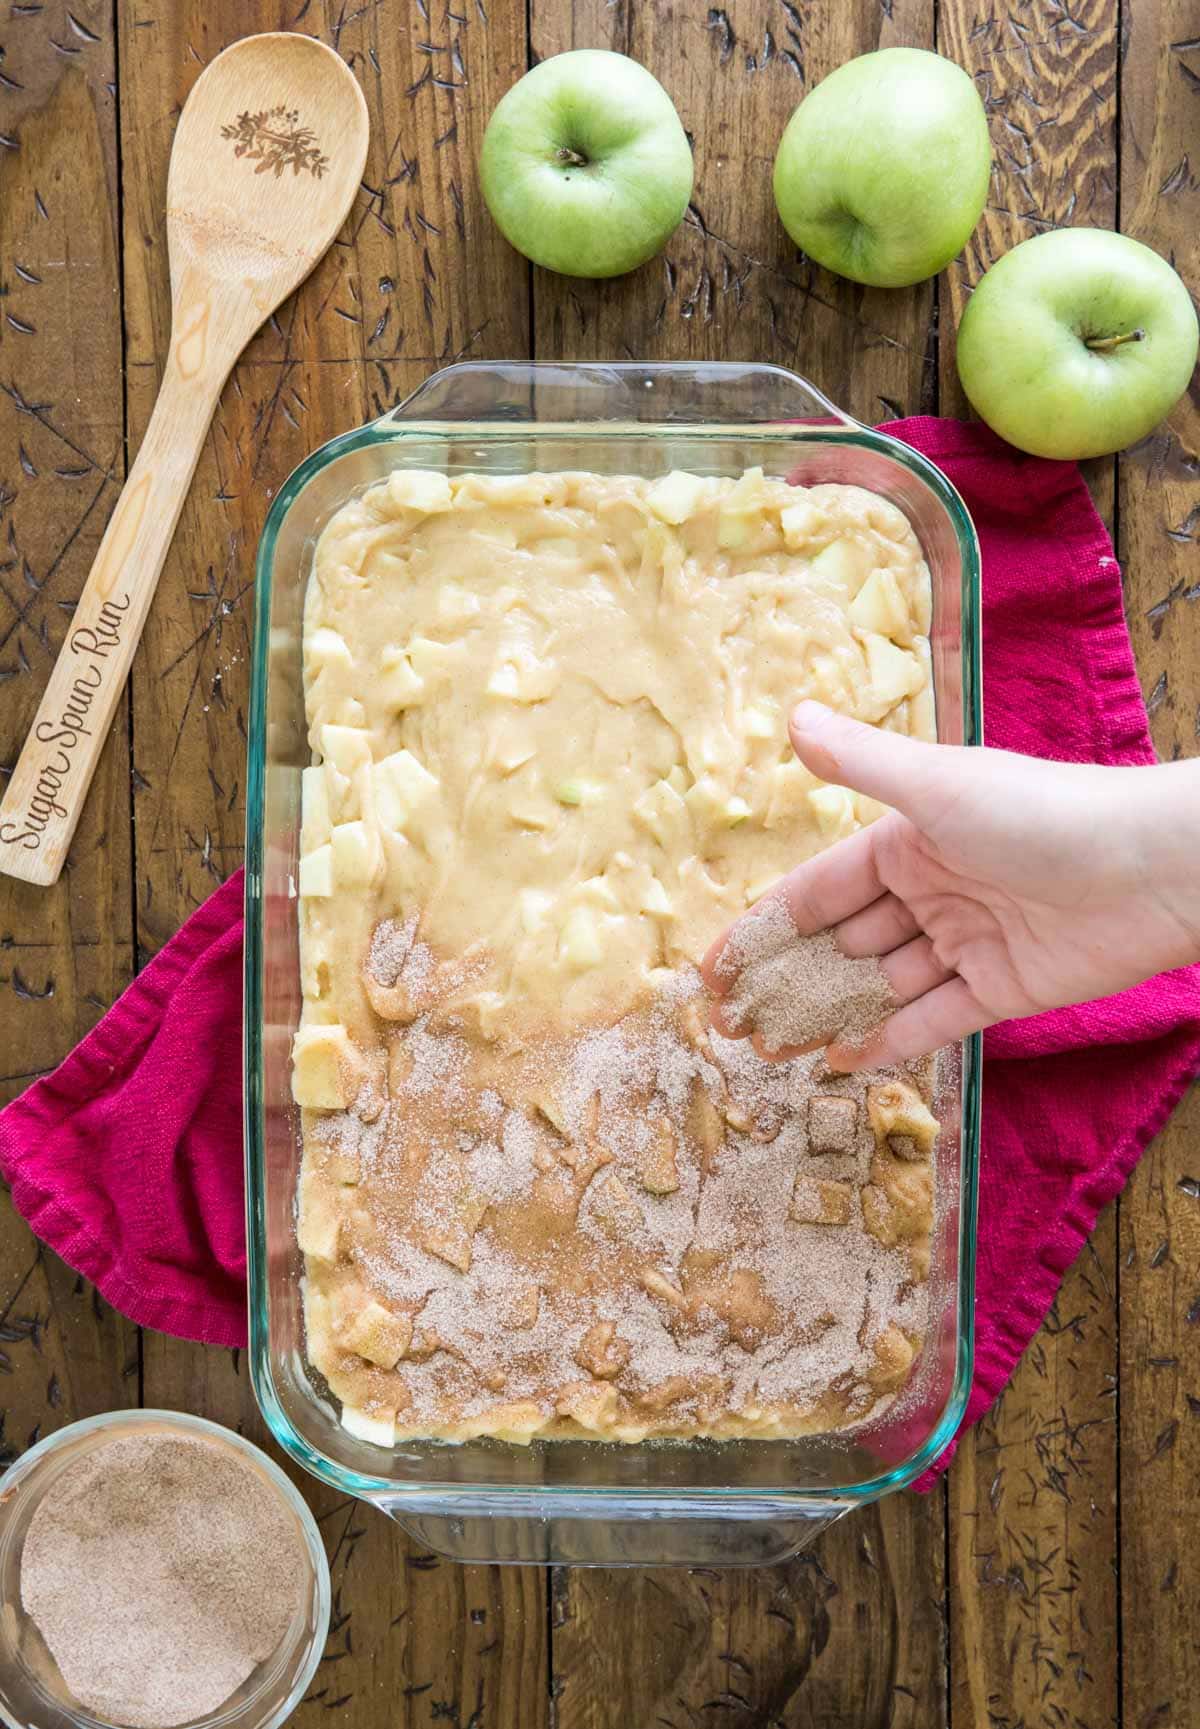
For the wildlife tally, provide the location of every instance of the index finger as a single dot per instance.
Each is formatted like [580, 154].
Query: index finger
[820, 892]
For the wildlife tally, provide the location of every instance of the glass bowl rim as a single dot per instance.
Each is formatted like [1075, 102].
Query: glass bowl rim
[13, 1485]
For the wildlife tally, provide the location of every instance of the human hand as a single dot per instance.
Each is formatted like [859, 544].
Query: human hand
[997, 885]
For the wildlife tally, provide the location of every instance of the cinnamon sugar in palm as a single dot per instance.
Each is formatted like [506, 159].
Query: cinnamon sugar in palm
[799, 992]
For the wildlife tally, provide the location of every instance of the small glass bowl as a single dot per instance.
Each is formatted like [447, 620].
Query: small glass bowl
[32, 1692]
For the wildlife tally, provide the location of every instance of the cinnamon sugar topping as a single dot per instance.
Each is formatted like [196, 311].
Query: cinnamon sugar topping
[568, 1211]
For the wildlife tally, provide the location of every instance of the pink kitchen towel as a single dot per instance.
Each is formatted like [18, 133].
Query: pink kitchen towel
[127, 1159]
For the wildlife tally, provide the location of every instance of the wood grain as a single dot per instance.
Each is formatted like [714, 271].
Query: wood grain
[1033, 1537]
[851, 1632]
[730, 284]
[1047, 74]
[413, 1640]
[64, 955]
[1033, 1520]
[1159, 503]
[392, 300]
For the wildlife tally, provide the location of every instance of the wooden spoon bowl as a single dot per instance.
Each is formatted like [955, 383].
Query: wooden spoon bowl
[268, 155]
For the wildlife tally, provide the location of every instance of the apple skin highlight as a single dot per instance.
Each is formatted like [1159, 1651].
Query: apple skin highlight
[585, 166]
[883, 170]
[1077, 343]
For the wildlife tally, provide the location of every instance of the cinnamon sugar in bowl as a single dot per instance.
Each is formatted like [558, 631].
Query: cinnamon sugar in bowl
[155, 1570]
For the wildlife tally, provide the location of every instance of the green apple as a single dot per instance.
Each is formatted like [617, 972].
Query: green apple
[1076, 343]
[585, 165]
[883, 169]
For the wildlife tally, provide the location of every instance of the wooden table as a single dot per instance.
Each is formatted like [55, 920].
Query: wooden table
[1055, 1579]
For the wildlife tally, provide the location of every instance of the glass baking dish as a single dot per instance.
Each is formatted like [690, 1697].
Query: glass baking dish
[572, 1501]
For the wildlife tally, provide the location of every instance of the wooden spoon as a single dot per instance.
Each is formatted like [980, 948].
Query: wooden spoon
[268, 155]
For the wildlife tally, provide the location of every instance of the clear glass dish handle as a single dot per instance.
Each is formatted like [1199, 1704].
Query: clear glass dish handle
[665, 1536]
[682, 393]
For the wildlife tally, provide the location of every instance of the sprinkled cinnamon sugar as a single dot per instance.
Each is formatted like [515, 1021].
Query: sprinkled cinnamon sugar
[391, 946]
[796, 991]
[650, 1175]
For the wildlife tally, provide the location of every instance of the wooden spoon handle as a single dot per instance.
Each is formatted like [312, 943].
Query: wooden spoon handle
[46, 791]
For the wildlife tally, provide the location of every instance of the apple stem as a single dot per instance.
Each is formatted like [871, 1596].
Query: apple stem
[1106, 344]
[571, 158]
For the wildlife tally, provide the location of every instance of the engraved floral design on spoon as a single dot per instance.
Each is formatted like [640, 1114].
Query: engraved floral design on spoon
[275, 139]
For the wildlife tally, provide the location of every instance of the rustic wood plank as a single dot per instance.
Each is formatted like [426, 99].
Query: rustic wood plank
[1160, 1214]
[1047, 76]
[853, 1631]
[730, 284]
[1033, 1540]
[65, 953]
[848, 1632]
[1033, 1492]
[393, 299]
[412, 1638]
[1033, 1523]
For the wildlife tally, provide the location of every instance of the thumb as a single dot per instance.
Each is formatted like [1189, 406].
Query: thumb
[896, 770]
